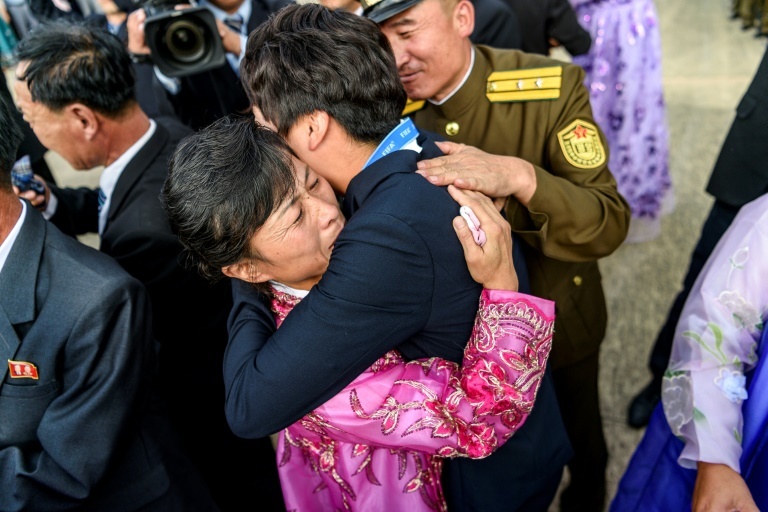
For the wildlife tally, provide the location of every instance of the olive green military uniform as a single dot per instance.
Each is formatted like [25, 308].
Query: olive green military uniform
[752, 13]
[535, 108]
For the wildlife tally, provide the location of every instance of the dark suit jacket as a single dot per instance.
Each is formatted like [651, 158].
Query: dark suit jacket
[543, 19]
[189, 318]
[496, 25]
[76, 437]
[397, 279]
[740, 173]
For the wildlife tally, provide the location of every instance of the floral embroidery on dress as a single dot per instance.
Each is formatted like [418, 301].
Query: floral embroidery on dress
[282, 304]
[732, 384]
[484, 383]
[745, 315]
[716, 343]
[465, 411]
[677, 399]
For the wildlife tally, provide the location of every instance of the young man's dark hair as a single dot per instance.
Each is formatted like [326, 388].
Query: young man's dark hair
[223, 183]
[10, 134]
[332, 61]
[75, 63]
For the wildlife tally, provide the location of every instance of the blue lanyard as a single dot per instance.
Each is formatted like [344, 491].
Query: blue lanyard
[401, 136]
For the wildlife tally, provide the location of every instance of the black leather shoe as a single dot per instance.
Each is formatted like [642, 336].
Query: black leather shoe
[643, 404]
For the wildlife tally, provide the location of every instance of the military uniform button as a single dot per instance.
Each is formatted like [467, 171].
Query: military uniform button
[452, 128]
[577, 280]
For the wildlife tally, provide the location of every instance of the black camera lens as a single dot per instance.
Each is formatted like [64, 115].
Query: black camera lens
[185, 41]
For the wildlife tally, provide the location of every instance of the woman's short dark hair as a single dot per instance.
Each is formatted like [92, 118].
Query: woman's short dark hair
[71, 62]
[308, 58]
[10, 138]
[223, 183]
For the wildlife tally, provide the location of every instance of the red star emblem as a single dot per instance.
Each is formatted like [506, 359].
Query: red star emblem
[580, 132]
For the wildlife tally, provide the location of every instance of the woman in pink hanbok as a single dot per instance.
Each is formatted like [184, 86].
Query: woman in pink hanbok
[378, 444]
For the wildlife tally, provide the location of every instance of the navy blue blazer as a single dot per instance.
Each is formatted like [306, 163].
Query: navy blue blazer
[79, 437]
[397, 279]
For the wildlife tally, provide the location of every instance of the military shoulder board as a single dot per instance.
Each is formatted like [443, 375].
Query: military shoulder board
[525, 85]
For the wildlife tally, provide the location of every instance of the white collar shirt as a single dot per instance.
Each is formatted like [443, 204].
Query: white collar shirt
[5, 247]
[112, 172]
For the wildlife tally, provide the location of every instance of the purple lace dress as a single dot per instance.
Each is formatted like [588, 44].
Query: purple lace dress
[624, 79]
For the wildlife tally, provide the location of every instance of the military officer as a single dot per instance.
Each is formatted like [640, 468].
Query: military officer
[539, 148]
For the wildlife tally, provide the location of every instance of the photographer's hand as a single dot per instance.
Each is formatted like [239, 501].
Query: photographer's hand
[231, 40]
[135, 24]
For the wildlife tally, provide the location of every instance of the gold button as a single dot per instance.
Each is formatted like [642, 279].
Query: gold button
[491, 86]
[577, 280]
[452, 128]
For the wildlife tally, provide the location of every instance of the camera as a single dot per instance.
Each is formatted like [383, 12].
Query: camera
[182, 42]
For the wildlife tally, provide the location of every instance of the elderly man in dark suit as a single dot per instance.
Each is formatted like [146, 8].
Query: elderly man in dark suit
[75, 89]
[75, 329]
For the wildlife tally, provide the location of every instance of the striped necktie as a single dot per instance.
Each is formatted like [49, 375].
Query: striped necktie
[102, 199]
[235, 23]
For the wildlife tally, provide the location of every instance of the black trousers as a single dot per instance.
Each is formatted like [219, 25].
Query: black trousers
[577, 392]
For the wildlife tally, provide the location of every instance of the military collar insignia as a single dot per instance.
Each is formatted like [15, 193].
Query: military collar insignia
[412, 106]
[581, 145]
[525, 85]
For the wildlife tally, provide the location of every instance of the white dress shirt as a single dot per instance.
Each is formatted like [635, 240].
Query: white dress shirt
[5, 247]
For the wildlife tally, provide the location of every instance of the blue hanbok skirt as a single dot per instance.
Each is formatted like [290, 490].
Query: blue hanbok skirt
[654, 481]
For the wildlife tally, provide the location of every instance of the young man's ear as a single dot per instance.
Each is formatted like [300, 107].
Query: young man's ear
[318, 123]
[245, 270]
[308, 132]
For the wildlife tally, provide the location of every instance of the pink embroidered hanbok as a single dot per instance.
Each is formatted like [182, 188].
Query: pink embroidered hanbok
[377, 445]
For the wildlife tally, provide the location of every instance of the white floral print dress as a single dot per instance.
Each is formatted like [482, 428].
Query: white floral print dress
[716, 342]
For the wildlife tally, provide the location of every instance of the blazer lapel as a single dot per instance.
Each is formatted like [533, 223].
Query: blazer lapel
[20, 274]
[9, 344]
[135, 169]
